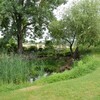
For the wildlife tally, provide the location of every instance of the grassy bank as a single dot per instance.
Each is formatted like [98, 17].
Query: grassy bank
[85, 66]
[80, 83]
[83, 88]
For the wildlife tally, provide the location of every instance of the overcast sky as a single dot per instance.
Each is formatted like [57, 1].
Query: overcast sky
[61, 9]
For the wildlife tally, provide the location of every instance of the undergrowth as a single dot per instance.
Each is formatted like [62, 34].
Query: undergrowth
[81, 68]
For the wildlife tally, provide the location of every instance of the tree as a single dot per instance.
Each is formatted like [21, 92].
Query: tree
[80, 24]
[63, 32]
[18, 16]
[84, 19]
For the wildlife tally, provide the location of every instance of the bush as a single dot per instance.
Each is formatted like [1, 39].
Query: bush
[37, 69]
[83, 67]
[8, 45]
[47, 65]
[49, 49]
[11, 47]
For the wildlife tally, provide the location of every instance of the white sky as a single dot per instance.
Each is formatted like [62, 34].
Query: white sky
[61, 9]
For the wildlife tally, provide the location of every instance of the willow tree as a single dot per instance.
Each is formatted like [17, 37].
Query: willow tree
[83, 21]
[18, 16]
[80, 24]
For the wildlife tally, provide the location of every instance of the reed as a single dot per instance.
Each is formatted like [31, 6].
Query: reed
[13, 69]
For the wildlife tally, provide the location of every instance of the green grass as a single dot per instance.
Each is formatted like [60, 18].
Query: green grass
[83, 88]
[86, 87]
[11, 86]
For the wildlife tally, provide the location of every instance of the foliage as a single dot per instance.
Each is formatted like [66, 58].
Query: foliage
[43, 65]
[87, 87]
[11, 45]
[83, 20]
[20, 16]
[56, 28]
[37, 69]
[18, 69]
[8, 45]
[83, 67]
[79, 26]
[49, 48]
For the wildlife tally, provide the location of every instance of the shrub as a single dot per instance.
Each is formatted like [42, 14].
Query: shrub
[37, 69]
[11, 47]
[47, 65]
[8, 45]
[49, 49]
[83, 67]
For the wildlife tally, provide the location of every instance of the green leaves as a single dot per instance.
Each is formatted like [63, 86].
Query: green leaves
[34, 11]
[56, 29]
[21, 16]
[83, 19]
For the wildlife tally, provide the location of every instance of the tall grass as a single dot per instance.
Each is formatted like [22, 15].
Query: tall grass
[13, 69]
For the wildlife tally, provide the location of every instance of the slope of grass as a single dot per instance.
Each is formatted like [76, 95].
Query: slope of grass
[86, 87]
[83, 88]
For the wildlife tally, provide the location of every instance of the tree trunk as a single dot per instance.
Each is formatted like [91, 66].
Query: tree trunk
[76, 54]
[71, 49]
[19, 33]
[19, 43]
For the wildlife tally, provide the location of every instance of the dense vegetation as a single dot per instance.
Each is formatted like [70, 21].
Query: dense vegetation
[70, 55]
[81, 68]
[83, 87]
